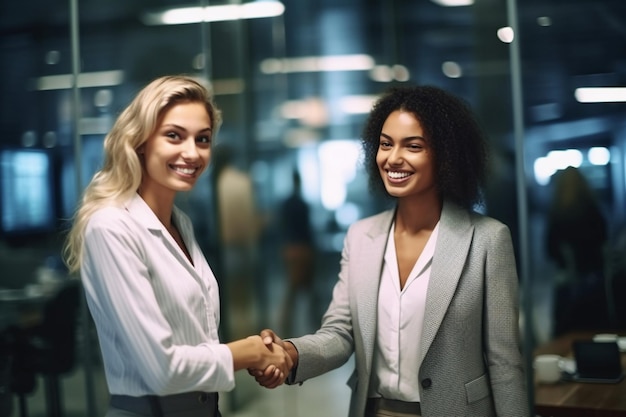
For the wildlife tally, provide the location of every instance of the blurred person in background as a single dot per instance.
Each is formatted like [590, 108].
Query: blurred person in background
[577, 242]
[240, 227]
[150, 291]
[427, 295]
[298, 252]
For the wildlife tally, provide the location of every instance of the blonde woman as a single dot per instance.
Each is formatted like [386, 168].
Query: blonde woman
[152, 295]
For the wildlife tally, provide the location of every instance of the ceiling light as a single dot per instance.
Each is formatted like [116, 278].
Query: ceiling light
[506, 34]
[600, 94]
[453, 3]
[186, 15]
[357, 104]
[599, 155]
[85, 80]
[326, 63]
[544, 21]
[451, 69]
[386, 73]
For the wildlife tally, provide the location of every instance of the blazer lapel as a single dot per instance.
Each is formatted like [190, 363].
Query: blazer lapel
[370, 266]
[453, 243]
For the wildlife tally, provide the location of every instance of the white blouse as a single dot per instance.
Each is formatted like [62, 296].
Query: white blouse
[400, 323]
[156, 314]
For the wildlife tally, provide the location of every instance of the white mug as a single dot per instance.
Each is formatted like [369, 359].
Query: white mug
[605, 337]
[548, 368]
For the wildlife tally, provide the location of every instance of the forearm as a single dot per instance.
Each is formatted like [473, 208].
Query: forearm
[245, 354]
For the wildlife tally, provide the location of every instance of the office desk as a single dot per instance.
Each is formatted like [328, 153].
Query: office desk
[21, 307]
[575, 399]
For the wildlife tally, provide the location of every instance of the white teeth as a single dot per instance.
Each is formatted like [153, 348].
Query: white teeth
[398, 175]
[186, 171]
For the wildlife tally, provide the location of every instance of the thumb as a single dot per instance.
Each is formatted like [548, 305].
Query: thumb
[268, 336]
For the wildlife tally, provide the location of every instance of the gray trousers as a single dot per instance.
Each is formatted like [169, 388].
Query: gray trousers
[194, 404]
[382, 407]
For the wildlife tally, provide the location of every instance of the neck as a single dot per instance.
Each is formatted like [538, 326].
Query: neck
[162, 206]
[418, 215]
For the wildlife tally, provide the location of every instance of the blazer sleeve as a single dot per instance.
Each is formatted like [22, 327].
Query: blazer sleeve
[502, 341]
[333, 344]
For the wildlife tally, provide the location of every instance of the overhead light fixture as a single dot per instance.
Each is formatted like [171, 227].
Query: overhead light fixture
[506, 34]
[388, 73]
[600, 94]
[186, 15]
[453, 3]
[311, 112]
[546, 166]
[544, 21]
[452, 69]
[358, 104]
[358, 62]
[599, 155]
[85, 80]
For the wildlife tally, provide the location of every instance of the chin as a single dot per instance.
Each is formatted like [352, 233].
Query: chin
[393, 193]
[183, 186]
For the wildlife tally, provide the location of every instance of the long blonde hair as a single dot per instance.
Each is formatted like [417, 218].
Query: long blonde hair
[121, 174]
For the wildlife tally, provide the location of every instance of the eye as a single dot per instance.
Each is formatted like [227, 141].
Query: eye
[204, 139]
[385, 144]
[172, 135]
[416, 146]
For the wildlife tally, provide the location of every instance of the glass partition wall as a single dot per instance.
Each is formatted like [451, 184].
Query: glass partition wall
[295, 80]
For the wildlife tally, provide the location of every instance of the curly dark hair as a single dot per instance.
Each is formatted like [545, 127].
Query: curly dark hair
[451, 130]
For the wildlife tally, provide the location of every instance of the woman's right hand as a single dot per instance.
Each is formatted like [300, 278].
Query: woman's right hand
[253, 353]
[274, 360]
[266, 376]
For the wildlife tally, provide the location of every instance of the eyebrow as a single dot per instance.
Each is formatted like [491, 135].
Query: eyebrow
[408, 138]
[170, 125]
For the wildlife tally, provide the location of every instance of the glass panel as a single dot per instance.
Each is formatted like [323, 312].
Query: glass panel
[295, 89]
[574, 164]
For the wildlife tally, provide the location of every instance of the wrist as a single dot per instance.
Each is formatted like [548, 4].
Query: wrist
[291, 350]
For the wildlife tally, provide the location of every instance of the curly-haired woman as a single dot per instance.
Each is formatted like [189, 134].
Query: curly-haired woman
[427, 295]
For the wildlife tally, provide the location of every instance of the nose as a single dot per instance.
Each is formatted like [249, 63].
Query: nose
[395, 156]
[190, 149]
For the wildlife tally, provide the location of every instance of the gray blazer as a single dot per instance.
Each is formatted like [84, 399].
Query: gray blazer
[471, 359]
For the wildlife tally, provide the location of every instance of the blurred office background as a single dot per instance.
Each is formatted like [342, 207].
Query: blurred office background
[295, 80]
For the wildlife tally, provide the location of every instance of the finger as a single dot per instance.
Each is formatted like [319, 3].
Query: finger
[268, 336]
[273, 381]
[269, 371]
[268, 381]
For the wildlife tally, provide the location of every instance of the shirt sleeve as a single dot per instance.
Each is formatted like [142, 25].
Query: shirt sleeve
[135, 336]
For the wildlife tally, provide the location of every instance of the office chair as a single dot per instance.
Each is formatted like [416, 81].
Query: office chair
[6, 360]
[48, 349]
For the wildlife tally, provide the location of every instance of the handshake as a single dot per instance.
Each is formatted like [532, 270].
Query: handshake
[275, 361]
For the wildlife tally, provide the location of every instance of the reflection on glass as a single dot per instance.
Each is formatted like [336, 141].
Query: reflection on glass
[338, 162]
[26, 194]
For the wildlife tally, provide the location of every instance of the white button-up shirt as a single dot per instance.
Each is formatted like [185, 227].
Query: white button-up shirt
[156, 314]
[400, 322]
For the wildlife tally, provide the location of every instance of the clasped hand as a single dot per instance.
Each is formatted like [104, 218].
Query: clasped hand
[275, 363]
[271, 376]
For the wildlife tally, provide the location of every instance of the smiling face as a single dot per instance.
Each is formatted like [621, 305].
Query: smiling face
[177, 152]
[405, 160]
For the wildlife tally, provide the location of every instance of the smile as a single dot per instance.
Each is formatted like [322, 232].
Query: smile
[394, 175]
[184, 170]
